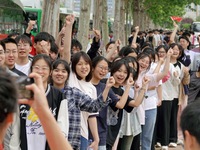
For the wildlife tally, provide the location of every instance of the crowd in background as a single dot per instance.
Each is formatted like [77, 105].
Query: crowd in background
[131, 98]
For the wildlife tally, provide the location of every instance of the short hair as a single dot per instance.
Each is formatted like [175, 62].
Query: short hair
[128, 50]
[24, 39]
[116, 66]
[8, 95]
[43, 36]
[97, 59]
[9, 40]
[75, 59]
[190, 120]
[76, 43]
[64, 63]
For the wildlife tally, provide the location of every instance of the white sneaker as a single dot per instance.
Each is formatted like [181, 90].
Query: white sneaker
[158, 144]
[180, 142]
[164, 148]
[172, 144]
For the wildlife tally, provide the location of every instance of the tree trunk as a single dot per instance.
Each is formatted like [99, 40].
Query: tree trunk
[50, 17]
[136, 13]
[97, 14]
[122, 21]
[104, 24]
[116, 23]
[84, 20]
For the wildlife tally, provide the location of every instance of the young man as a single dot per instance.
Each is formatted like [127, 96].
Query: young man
[24, 46]
[190, 122]
[42, 43]
[11, 55]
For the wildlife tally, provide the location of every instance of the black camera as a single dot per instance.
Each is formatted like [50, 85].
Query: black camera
[22, 82]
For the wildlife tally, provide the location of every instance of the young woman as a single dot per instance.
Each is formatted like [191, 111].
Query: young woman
[60, 73]
[120, 71]
[100, 69]
[76, 101]
[32, 134]
[149, 108]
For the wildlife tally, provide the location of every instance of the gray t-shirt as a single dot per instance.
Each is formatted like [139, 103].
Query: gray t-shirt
[194, 88]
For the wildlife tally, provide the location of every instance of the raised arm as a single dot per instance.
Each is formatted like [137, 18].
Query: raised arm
[123, 99]
[112, 51]
[134, 44]
[68, 37]
[140, 96]
[166, 67]
[95, 44]
[172, 37]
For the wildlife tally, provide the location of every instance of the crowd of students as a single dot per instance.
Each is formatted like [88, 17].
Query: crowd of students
[131, 98]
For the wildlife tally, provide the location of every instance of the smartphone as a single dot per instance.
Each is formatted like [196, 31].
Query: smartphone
[22, 82]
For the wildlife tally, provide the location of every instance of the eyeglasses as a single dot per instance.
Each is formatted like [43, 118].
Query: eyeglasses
[103, 68]
[37, 68]
[161, 52]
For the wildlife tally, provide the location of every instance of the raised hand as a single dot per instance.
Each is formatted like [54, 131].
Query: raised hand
[118, 43]
[45, 47]
[130, 81]
[170, 52]
[97, 33]
[31, 25]
[136, 87]
[176, 74]
[145, 82]
[110, 82]
[69, 20]
[137, 28]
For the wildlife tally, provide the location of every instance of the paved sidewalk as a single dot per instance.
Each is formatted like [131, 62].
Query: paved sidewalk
[177, 148]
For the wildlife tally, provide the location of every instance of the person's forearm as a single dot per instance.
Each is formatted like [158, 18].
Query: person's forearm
[121, 103]
[161, 75]
[139, 99]
[55, 138]
[67, 43]
[92, 121]
[105, 93]
[110, 53]
[172, 37]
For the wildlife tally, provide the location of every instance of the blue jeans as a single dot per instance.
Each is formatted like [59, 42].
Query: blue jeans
[148, 128]
[84, 143]
[102, 147]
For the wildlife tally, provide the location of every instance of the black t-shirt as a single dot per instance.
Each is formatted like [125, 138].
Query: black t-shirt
[113, 130]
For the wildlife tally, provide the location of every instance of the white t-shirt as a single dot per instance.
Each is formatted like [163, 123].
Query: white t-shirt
[24, 68]
[88, 89]
[36, 138]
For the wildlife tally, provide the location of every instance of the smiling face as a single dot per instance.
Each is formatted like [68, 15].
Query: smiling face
[120, 75]
[144, 63]
[176, 52]
[100, 70]
[11, 54]
[42, 68]
[24, 49]
[82, 68]
[59, 75]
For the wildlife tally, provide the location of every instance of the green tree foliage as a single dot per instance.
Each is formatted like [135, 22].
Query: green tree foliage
[161, 10]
